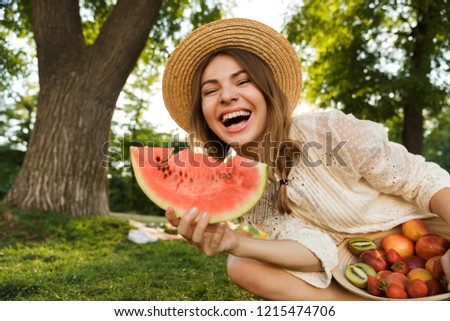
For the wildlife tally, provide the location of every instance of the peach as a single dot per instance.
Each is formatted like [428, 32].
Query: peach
[414, 229]
[397, 278]
[421, 274]
[381, 275]
[376, 258]
[400, 243]
[431, 245]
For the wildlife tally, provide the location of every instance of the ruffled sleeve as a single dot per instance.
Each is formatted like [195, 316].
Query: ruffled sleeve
[387, 166]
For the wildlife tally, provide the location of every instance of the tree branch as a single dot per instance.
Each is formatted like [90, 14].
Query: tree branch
[123, 37]
[57, 33]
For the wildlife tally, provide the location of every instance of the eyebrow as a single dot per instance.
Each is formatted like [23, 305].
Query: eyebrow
[215, 81]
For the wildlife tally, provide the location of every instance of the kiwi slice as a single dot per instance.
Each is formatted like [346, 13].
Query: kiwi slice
[357, 245]
[358, 274]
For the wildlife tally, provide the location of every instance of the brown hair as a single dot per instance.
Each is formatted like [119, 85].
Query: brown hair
[278, 123]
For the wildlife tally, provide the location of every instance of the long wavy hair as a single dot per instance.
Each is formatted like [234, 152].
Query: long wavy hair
[278, 123]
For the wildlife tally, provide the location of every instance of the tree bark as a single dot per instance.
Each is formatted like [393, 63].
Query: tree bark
[79, 87]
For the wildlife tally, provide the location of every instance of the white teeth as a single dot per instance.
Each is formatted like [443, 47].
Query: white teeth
[235, 114]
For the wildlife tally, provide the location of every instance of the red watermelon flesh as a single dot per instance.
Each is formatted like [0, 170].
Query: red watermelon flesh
[225, 190]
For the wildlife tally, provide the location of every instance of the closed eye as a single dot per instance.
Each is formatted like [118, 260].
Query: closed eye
[209, 92]
[243, 82]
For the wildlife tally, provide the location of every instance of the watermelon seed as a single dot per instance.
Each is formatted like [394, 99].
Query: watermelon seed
[226, 175]
[158, 159]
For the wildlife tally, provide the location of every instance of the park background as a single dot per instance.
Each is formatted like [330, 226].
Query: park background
[80, 84]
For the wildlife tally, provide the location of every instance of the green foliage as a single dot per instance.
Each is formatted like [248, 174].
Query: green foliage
[437, 142]
[15, 25]
[94, 14]
[15, 128]
[16, 120]
[360, 56]
[10, 163]
[49, 256]
[214, 9]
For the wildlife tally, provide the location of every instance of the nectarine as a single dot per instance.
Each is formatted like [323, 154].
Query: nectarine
[403, 245]
[414, 261]
[431, 245]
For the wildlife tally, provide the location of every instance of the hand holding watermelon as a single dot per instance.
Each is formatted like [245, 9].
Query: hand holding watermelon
[210, 239]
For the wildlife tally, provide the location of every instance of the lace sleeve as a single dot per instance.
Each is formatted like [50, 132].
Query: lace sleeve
[317, 242]
[285, 227]
[388, 166]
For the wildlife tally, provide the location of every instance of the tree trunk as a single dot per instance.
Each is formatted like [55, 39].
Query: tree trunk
[417, 95]
[413, 129]
[79, 87]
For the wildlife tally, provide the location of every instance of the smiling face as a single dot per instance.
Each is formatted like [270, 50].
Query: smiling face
[233, 106]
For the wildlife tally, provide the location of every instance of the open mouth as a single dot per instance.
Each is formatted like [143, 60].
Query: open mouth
[235, 119]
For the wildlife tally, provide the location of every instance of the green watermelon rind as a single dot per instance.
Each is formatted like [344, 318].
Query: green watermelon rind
[243, 209]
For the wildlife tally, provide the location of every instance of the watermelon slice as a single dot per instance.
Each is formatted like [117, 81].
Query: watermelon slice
[225, 190]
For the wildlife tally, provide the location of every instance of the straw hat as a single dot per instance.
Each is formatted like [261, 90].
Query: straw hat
[253, 36]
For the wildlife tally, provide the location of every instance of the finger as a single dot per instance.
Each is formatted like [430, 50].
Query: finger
[172, 217]
[216, 240]
[200, 228]
[185, 225]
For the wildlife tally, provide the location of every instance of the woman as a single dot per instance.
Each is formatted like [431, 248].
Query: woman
[234, 84]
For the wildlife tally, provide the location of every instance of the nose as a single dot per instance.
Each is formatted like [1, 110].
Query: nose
[228, 95]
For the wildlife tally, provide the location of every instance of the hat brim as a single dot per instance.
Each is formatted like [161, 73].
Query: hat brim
[250, 35]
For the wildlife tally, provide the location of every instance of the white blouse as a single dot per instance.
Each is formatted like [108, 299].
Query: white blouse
[350, 180]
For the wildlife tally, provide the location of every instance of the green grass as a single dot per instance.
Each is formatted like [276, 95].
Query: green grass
[49, 256]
